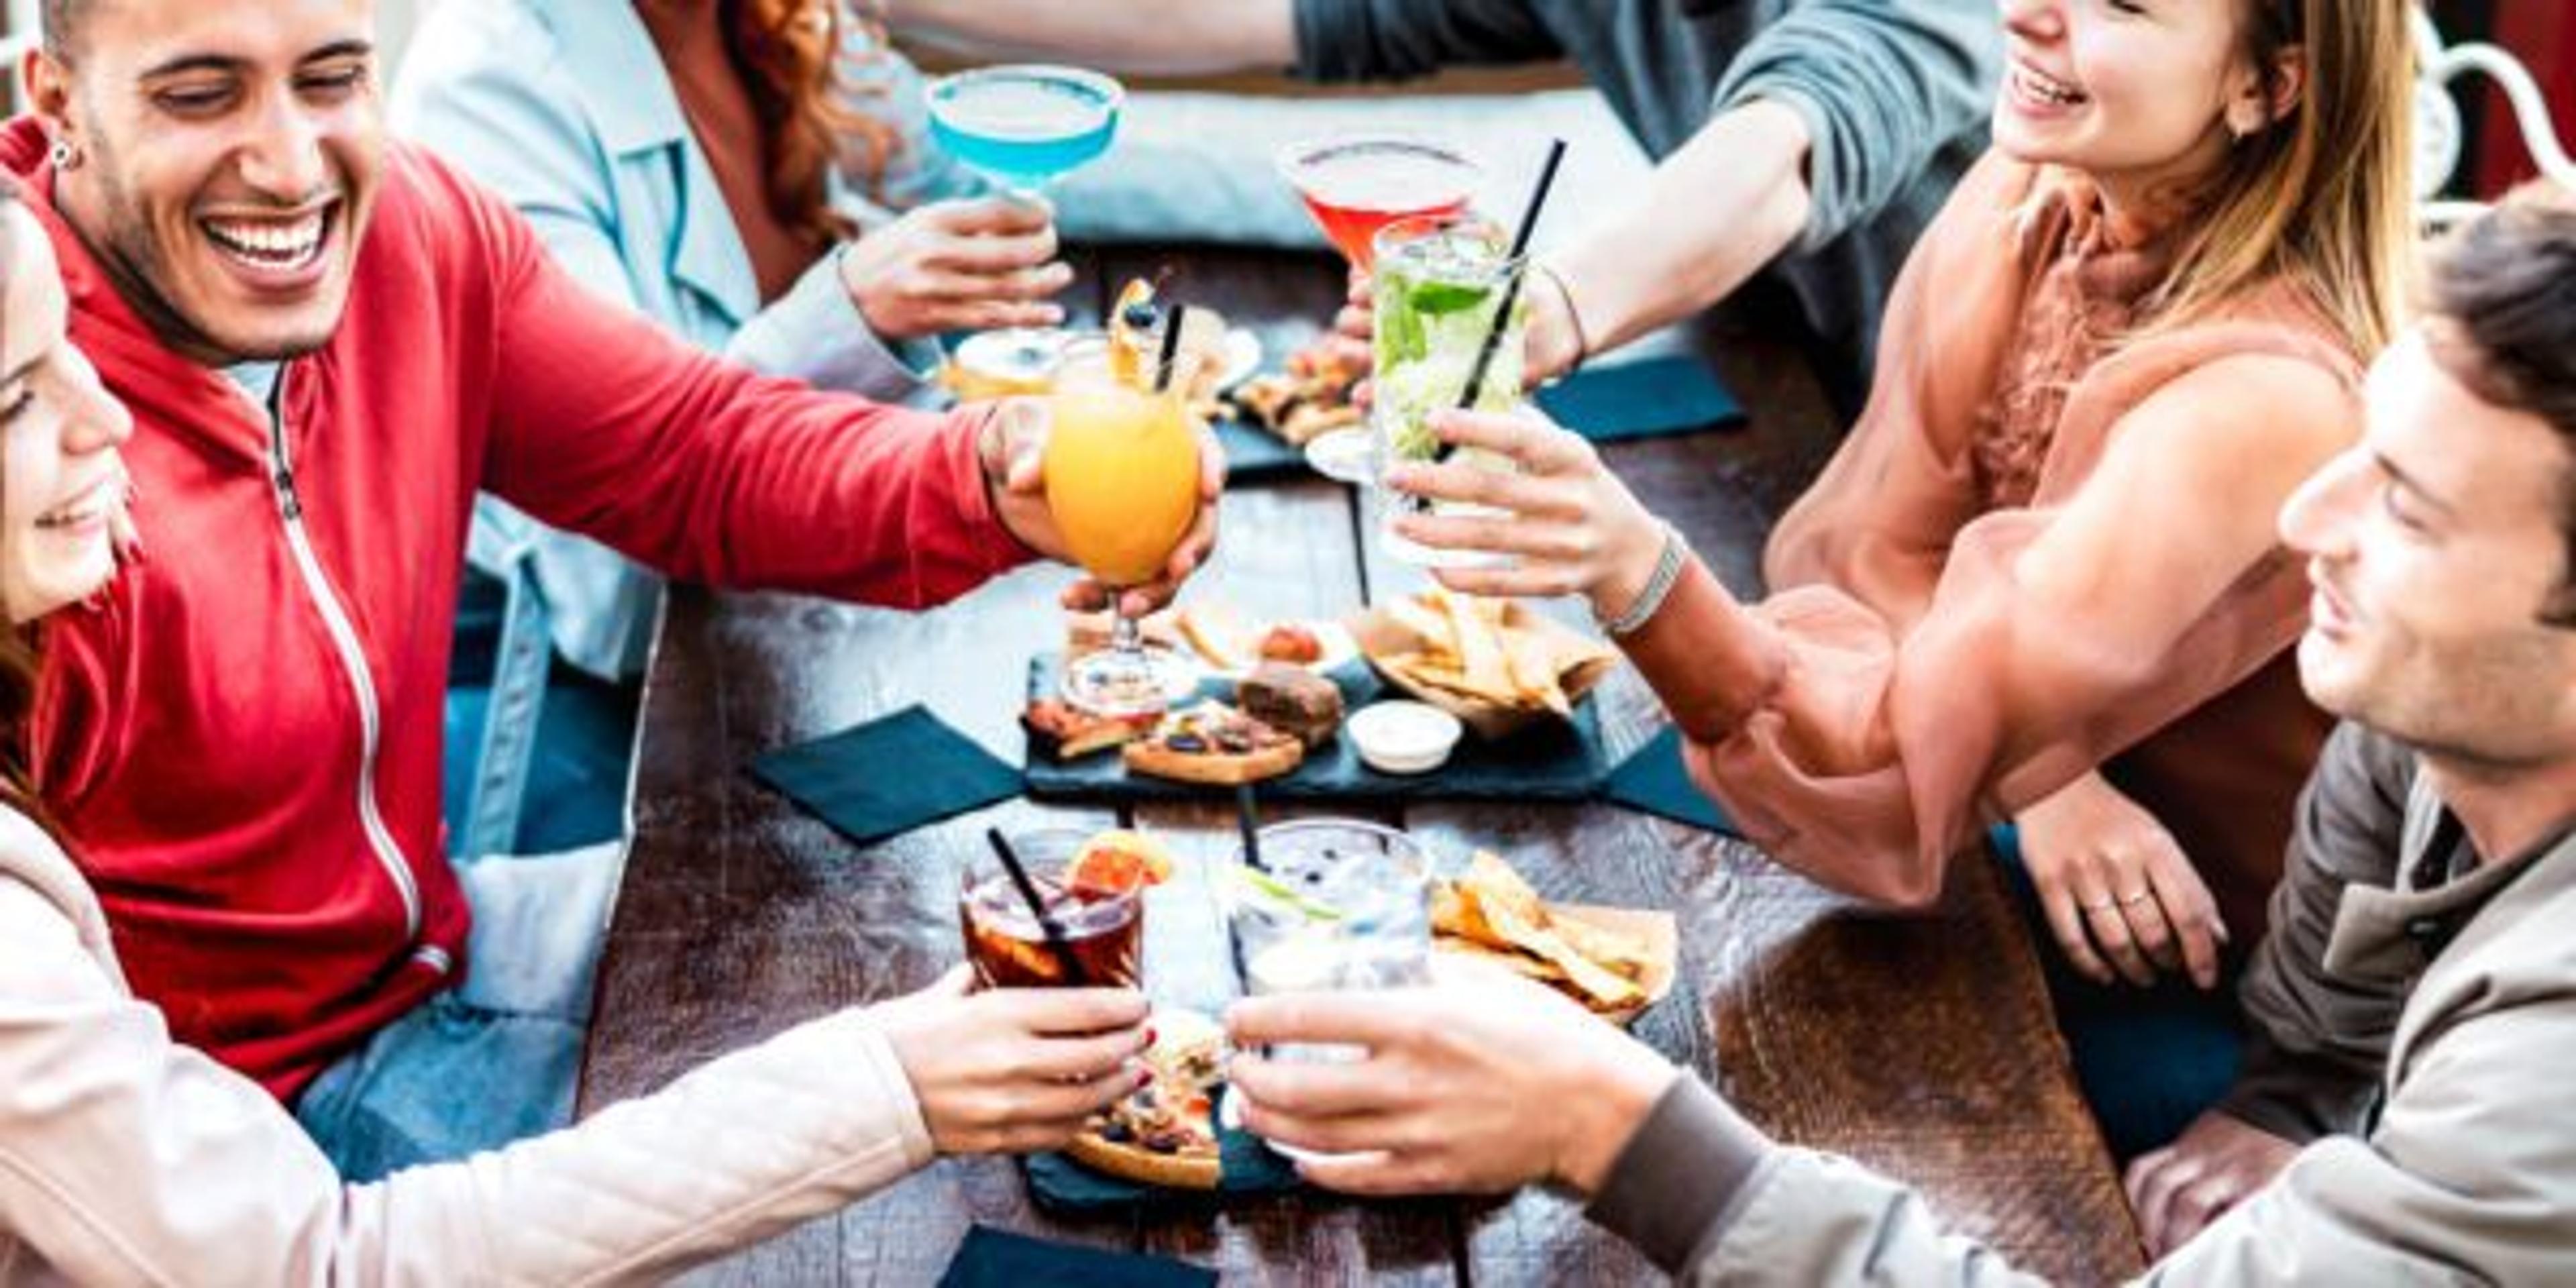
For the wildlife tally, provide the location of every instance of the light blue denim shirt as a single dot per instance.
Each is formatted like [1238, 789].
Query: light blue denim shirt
[565, 108]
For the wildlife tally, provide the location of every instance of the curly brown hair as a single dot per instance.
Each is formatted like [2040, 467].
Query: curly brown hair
[788, 52]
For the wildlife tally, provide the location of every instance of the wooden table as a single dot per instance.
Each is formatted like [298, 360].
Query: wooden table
[1921, 1046]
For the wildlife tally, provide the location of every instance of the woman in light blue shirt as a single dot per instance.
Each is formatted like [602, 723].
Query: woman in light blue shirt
[730, 168]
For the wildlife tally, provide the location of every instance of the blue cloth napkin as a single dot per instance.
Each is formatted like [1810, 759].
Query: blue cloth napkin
[1654, 781]
[993, 1258]
[889, 775]
[1255, 455]
[1646, 399]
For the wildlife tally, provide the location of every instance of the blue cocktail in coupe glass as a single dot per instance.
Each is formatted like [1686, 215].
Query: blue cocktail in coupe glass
[1023, 125]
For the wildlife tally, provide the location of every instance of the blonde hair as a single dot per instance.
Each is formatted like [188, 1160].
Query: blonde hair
[2322, 198]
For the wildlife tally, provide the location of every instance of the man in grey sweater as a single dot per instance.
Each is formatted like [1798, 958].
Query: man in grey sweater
[1802, 142]
[2416, 999]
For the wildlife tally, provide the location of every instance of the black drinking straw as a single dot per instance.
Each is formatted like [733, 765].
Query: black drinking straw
[1054, 933]
[1511, 289]
[1247, 819]
[1171, 345]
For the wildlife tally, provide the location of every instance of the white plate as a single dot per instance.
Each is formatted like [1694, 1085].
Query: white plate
[1242, 358]
[1242, 348]
[1344, 456]
[1339, 647]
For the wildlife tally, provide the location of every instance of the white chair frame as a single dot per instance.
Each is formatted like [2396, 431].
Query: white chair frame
[2438, 139]
[25, 19]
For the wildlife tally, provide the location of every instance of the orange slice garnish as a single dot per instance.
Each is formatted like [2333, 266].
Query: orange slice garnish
[1118, 862]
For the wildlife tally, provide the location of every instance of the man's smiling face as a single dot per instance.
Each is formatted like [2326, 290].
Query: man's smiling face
[227, 158]
[2438, 553]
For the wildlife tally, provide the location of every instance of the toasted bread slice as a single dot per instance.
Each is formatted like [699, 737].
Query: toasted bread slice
[1189, 1171]
[1216, 768]
[1061, 731]
[1165, 1132]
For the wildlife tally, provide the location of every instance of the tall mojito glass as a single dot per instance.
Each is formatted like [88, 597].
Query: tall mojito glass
[1441, 286]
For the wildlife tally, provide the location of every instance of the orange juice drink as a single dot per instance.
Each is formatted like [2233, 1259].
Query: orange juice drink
[1122, 471]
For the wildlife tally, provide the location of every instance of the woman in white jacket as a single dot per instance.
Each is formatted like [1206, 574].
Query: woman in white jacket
[125, 1158]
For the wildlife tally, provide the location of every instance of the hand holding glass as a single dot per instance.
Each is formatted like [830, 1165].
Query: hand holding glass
[1441, 291]
[1122, 475]
[1335, 905]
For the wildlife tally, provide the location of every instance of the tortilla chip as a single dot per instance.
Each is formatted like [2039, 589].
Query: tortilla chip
[1518, 963]
[1492, 910]
[1496, 882]
[1608, 988]
[1462, 916]
[1622, 954]
[1530, 659]
[1452, 913]
[1479, 648]
[1439, 638]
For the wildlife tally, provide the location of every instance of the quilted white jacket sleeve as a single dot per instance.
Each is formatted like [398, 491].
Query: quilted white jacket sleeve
[125, 1158]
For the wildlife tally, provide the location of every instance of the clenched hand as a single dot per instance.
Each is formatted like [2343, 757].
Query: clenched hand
[1014, 1070]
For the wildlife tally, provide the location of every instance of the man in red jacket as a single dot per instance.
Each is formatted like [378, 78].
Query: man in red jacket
[329, 342]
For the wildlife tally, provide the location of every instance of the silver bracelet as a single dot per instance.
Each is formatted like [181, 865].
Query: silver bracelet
[1659, 587]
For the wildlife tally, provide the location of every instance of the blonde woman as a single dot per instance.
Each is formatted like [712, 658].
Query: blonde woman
[2039, 583]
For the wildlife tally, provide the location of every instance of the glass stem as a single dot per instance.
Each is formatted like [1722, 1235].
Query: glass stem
[1126, 637]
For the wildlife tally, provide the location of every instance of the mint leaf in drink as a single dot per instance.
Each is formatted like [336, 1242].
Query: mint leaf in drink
[1414, 441]
[1400, 338]
[1438, 299]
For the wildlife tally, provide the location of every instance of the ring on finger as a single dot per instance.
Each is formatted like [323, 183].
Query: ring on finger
[2142, 896]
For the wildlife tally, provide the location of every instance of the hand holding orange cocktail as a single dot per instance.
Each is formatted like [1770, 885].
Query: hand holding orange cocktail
[1123, 480]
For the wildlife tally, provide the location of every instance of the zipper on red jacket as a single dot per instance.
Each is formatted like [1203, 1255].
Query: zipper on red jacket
[353, 661]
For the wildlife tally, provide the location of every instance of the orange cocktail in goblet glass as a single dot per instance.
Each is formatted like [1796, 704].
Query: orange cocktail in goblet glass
[1122, 480]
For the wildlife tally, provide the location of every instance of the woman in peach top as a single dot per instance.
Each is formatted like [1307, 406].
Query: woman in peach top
[2040, 582]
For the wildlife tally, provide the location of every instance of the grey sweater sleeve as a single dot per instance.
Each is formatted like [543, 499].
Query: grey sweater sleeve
[1368, 40]
[2319, 1041]
[1882, 87]
[1675, 1186]
[1711, 1200]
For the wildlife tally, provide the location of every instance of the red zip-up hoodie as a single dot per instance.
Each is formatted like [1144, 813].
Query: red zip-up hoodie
[242, 735]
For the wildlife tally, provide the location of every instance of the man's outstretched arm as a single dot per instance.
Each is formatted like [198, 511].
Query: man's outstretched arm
[1143, 37]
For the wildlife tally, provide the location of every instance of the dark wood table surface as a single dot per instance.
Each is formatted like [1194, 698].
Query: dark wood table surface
[1921, 1046]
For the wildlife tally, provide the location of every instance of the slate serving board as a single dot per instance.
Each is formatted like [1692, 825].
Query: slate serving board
[1647, 398]
[1553, 760]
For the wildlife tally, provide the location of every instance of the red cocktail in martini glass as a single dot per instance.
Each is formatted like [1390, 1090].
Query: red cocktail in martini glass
[1356, 184]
